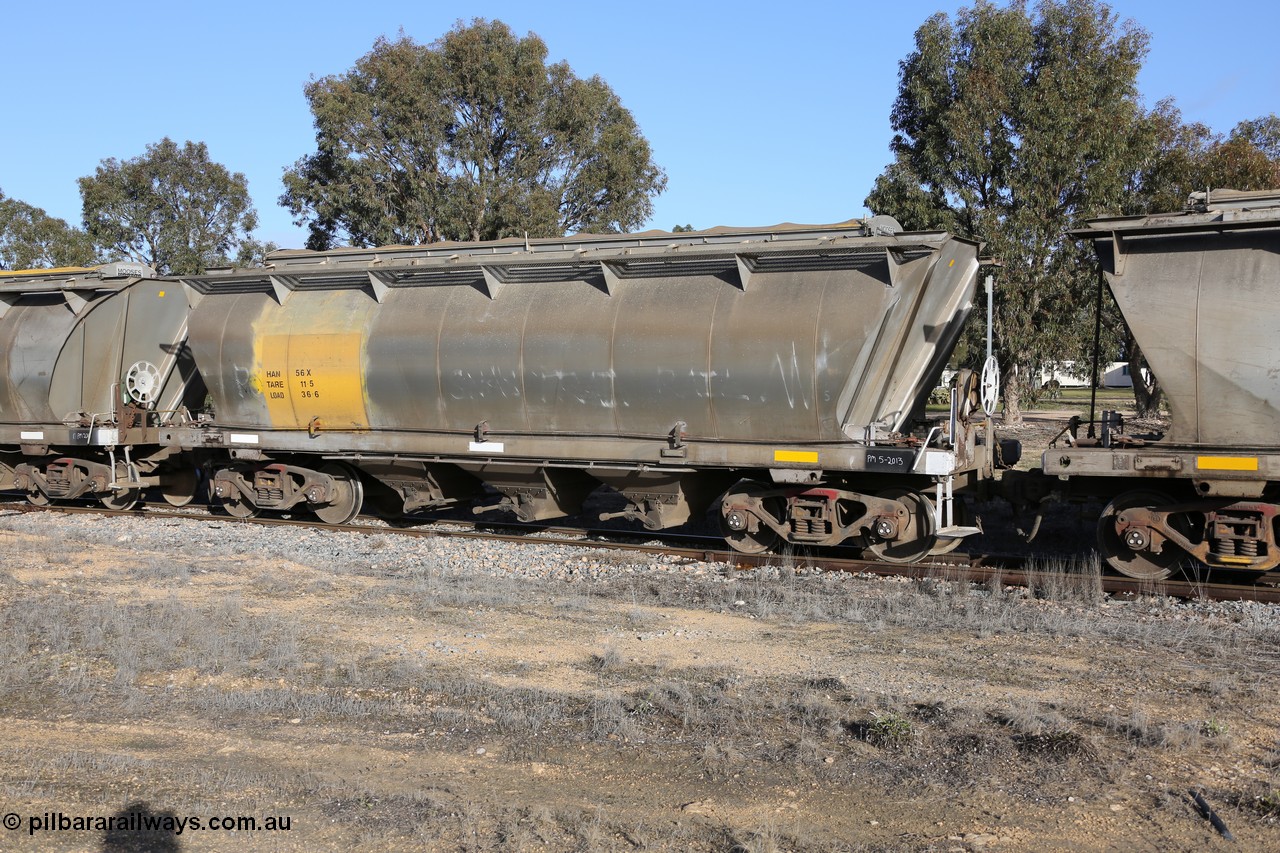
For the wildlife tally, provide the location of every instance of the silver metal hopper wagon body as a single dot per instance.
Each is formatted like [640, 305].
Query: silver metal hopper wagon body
[667, 366]
[1200, 289]
[93, 363]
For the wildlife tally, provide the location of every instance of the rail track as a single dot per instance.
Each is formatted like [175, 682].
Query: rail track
[957, 566]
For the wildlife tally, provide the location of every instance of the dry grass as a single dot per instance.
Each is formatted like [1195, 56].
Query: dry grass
[413, 706]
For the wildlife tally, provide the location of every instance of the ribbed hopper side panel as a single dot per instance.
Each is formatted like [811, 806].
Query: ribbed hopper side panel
[754, 343]
[1205, 308]
[32, 334]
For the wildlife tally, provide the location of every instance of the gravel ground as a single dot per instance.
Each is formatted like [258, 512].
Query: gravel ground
[391, 555]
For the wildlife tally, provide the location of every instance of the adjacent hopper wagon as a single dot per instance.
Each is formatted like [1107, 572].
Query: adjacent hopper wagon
[93, 363]
[776, 370]
[1200, 290]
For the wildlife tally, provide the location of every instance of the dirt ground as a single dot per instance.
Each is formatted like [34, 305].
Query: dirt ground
[382, 700]
[427, 710]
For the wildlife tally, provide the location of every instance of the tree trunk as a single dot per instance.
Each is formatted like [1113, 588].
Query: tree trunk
[1012, 396]
[1147, 393]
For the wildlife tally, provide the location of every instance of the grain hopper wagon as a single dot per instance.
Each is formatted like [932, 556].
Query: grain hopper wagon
[1200, 290]
[770, 372]
[93, 363]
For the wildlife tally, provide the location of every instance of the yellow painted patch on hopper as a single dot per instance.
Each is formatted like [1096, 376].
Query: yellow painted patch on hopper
[51, 271]
[1227, 463]
[307, 377]
[809, 457]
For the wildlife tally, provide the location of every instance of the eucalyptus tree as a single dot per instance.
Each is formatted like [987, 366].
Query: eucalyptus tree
[472, 137]
[172, 208]
[1011, 126]
[32, 239]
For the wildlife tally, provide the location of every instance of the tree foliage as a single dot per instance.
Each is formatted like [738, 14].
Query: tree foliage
[172, 208]
[473, 137]
[1184, 158]
[1263, 134]
[252, 253]
[32, 239]
[1011, 127]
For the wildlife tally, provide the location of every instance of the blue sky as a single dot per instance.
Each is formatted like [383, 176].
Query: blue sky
[759, 112]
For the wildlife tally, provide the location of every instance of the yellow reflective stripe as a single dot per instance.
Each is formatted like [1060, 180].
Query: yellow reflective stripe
[806, 456]
[1227, 463]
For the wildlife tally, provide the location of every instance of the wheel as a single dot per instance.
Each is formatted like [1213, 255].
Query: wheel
[990, 392]
[736, 523]
[236, 507]
[35, 497]
[121, 501]
[142, 382]
[347, 498]
[1141, 563]
[915, 539]
[179, 486]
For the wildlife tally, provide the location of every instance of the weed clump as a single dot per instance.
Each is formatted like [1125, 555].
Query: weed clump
[607, 659]
[1056, 743]
[1268, 804]
[1213, 727]
[890, 729]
